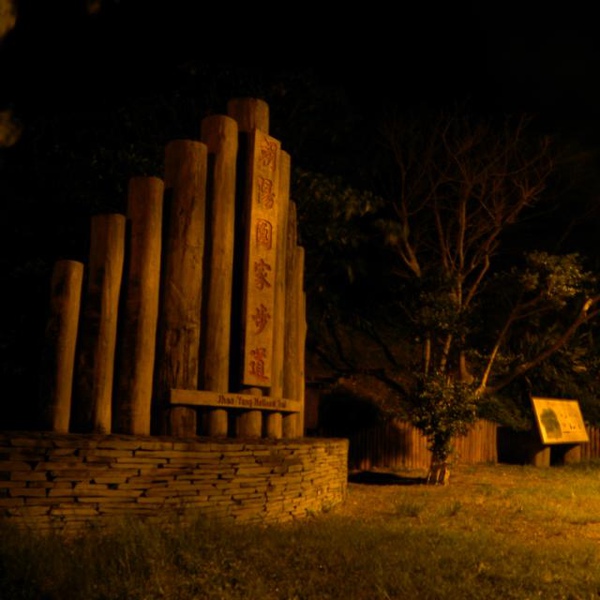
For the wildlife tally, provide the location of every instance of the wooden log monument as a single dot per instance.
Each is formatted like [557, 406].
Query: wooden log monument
[189, 319]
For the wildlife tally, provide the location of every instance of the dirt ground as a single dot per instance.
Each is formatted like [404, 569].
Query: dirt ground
[374, 494]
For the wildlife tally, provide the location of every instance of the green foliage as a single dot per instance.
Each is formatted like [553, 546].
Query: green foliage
[543, 298]
[573, 372]
[431, 308]
[510, 407]
[341, 269]
[332, 215]
[443, 410]
[555, 279]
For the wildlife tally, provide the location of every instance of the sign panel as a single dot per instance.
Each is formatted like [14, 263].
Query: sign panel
[261, 258]
[559, 421]
[227, 400]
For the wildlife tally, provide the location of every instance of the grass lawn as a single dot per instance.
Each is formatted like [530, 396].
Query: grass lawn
[497, 531]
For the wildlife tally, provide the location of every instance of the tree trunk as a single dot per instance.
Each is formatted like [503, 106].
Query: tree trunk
[439, 472]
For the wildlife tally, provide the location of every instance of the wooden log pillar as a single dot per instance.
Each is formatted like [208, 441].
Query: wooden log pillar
[274, 425]
[291, 335]
[181, 290]
[302, 324]
[274, 420]
[251, 115]
[140, 306]
[220, 134]
[96, 354]
[299, 323]
[58, 360]
[249, 423]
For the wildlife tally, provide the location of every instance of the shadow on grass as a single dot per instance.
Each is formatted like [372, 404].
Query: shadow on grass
[380, 478]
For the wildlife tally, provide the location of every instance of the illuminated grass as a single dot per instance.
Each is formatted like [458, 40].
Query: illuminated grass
[494, 532]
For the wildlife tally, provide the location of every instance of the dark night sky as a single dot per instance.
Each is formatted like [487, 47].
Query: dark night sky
[505, 56]
[501, 57]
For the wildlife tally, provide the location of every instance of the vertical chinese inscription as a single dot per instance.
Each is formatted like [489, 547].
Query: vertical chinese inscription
[261, 258]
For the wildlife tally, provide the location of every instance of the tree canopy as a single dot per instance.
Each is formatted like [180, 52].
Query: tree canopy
[461, 291]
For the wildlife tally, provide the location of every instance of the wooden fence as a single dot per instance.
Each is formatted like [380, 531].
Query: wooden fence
[591, 450]
[397, 444]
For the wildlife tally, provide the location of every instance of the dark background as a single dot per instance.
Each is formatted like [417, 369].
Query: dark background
[506, 56]
[84, 84]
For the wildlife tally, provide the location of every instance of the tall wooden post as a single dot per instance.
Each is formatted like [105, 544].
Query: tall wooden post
[249, 424]
[295, 340]
[181, 293]
[59, 345]
[96, 355]
[291, 344]
[220, 134]
[302, 326]
[252, 115]
[140, 308]
[274, 420]
[260, 261]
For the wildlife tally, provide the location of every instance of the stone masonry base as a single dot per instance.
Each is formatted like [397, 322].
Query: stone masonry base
[66, 482]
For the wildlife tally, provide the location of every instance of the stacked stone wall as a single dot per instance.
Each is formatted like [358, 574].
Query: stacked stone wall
[67, 482]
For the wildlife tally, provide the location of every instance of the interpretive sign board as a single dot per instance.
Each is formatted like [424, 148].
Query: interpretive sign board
[227, 400]
[559, 421]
